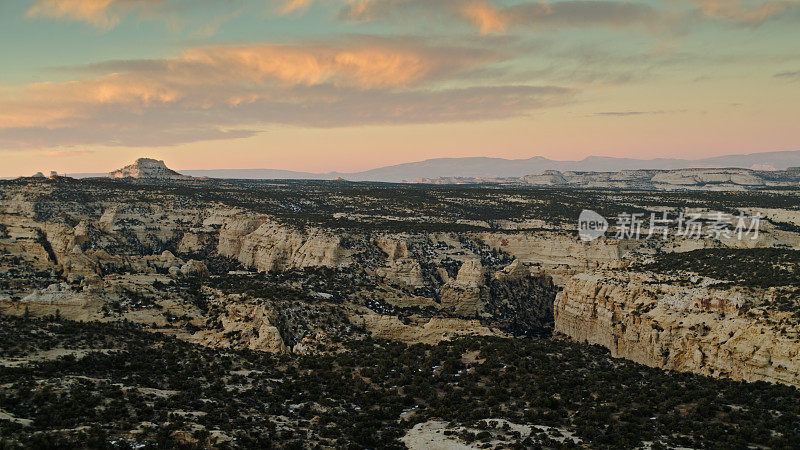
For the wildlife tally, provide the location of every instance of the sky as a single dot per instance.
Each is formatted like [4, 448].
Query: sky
[349, 85]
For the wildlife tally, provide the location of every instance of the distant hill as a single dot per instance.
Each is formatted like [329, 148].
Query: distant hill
[484, 167]
[146, 168]
[506, 168]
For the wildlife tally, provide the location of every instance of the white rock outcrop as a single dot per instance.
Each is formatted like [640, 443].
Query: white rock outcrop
[146, 168]
[548, 178]
[695, 177]
[266, 245]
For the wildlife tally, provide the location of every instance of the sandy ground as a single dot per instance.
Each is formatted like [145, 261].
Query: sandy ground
[9, 417]
[431, 435]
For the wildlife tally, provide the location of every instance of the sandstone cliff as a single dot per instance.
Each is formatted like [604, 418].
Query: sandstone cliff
[262, 244]
[559, 254]
[695, 329]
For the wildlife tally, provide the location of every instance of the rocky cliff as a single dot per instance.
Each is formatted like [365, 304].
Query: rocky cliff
[711, 331]
[191, 268]
[264, 245]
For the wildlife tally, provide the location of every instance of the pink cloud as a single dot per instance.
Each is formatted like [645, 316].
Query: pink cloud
[486, 17]
[223, 92]
[101, 13]
[491, 16]
[367, 65]
[290, 6]
[744, 11]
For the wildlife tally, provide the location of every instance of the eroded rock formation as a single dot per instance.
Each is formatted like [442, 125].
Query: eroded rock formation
[711, 331]
[195, 267]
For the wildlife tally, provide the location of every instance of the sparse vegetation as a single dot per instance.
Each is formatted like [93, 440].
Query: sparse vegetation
[121, 384]
[131, 387]
[761, 267]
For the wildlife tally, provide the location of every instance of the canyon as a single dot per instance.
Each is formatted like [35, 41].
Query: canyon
[296, 267]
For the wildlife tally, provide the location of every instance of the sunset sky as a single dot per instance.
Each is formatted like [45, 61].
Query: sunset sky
[347, 85]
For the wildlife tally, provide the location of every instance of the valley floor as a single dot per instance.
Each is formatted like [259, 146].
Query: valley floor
[65, 384]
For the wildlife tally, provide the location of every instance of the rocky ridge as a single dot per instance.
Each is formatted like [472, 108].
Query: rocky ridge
[664, 180]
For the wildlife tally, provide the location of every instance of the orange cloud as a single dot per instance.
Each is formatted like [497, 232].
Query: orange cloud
[375, 68]
[100, 13]
[486, 17]
[106, 90]
[744, 11]
[49, 104]
[492, 16]
[358, 9]
[366, 66]
[14, 114]
[106, 14]
[206, 93]
[291, 6]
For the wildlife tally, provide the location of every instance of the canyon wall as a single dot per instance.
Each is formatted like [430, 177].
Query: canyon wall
[703, 330]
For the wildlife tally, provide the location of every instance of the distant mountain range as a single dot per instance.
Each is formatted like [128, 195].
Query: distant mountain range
[483, 167]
